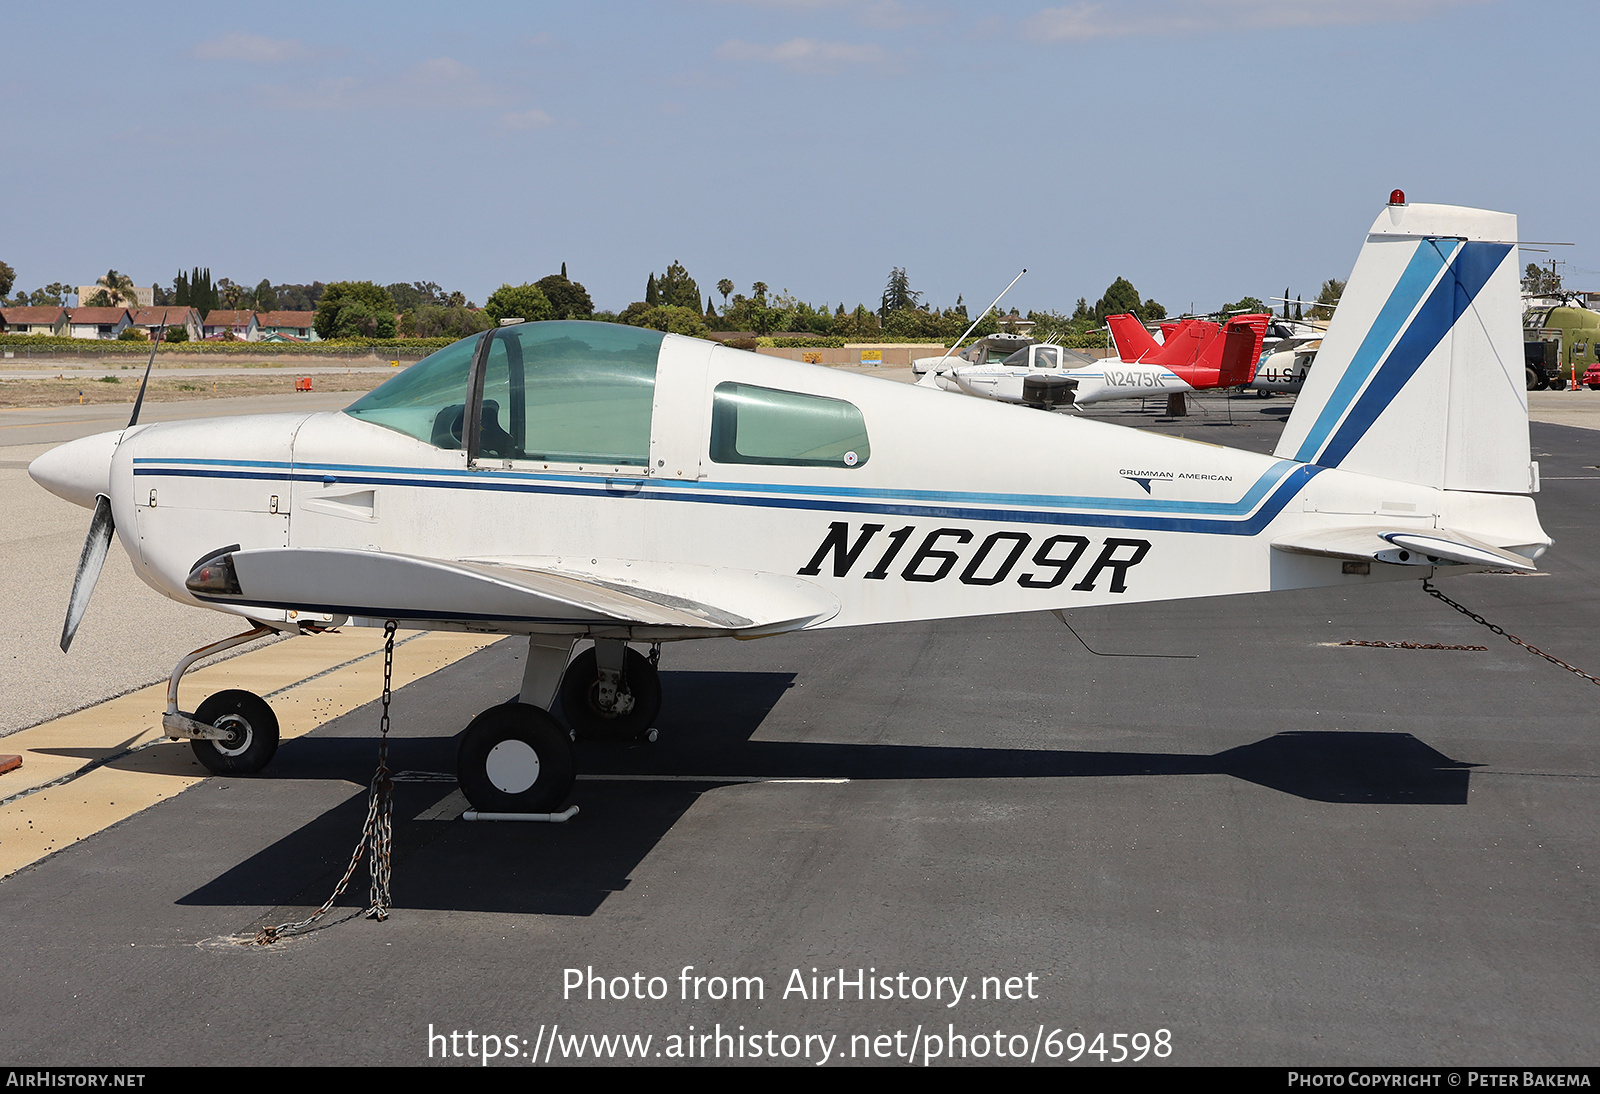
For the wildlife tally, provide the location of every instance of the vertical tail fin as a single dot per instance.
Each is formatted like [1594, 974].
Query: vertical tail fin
[1241, 349]
[1185, 345]
[1420, 375]
[1133, 342]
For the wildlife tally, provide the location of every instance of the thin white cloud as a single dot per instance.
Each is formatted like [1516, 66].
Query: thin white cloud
[804, 55]
[526, 119]
[884, 14]
[254, 49]
[441, 83]
[1087, 21]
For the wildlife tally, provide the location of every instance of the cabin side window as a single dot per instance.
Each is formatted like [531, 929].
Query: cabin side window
[570, 392]
[760, 425]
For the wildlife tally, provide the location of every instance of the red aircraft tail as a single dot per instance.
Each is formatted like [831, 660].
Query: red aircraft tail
[1186, 345]
[1133, 342]
[1231, 359]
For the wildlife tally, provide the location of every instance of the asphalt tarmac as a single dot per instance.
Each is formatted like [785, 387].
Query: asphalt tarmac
[1218, 837]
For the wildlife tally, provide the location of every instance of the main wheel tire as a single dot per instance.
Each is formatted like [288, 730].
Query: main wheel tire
[515, 758]
[253, 733]
[580, 693]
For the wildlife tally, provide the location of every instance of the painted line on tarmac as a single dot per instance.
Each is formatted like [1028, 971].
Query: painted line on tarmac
[59, 799]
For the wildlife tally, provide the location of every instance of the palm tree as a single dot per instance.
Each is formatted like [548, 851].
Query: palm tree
[115, 290]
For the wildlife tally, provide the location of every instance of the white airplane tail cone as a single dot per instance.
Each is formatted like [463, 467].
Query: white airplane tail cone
[1420, 376]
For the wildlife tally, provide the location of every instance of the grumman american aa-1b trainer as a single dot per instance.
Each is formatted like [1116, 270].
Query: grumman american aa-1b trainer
[571, 481]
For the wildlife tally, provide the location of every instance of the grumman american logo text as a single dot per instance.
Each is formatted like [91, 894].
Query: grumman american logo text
[1145, 478]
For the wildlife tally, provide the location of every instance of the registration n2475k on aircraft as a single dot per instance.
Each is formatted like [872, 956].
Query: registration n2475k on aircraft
[568, 481]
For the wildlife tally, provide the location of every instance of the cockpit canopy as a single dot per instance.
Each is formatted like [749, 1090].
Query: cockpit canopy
[1047, 356]
[565, 392]
[582, 393]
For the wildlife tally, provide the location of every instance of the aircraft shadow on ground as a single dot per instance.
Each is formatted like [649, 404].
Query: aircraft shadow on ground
[706, 742]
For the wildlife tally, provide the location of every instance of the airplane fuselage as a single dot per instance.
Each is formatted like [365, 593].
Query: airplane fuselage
[959, 507]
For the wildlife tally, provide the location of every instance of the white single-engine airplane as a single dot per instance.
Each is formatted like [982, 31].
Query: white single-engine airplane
[569, 480]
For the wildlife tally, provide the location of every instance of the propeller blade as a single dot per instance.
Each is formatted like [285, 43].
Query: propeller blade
[137, 403]
[93, 558]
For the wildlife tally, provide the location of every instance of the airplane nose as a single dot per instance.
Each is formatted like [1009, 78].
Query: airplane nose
[78, 470]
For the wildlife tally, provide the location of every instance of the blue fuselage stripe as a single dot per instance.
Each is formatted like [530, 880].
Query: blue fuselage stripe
[1280, 483]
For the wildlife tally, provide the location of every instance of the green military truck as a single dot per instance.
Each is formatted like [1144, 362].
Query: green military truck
[1566, 341]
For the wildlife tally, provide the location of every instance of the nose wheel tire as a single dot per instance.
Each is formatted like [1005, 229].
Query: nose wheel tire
[515, 758]
[252, 733]
[591, 720]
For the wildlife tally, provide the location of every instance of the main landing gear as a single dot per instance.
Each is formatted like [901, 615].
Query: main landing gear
[517, 758]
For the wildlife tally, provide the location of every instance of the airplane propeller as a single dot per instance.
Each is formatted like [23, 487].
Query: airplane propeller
[101, 528]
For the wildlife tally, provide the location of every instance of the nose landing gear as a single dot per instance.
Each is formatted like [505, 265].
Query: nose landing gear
[234, 732]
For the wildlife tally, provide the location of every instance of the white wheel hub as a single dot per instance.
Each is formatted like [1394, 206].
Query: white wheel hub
[235, 724]
[512, 766]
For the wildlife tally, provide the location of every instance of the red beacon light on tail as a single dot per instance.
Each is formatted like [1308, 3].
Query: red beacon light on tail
[1397, 197]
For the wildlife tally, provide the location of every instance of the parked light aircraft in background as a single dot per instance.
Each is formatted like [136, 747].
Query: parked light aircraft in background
[567, 481]
[988, 350]
[1284, 368]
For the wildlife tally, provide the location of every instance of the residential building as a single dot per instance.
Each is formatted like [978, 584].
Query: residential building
[240, 324]
[160, 318]
[43, 320]
[286, 325]
[100, 322]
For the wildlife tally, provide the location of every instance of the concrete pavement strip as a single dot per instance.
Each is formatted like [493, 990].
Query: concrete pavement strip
[311, 680]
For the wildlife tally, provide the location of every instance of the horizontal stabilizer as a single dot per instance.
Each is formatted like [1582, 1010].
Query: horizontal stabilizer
[406, 587]
[1423, 547]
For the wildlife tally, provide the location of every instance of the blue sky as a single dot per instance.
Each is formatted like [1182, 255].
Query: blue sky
[1203, 149]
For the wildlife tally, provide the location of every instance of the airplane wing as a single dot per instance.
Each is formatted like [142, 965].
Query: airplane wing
[1415, 547]
[512, 594]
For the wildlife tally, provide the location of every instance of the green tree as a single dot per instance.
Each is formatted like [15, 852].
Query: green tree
[116, 290]
[677, 289]
[1332, 290]
[175, 333]
[265, 298]
[1120, 298]
[568, 299]
[1250, 305]
[652, 294]
[439, 321]
[196, 291]
[1540, 281]
[364, 301]
[897, 293]
[725, 287]
[517, 302]
[8, 277]
[670, 318]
